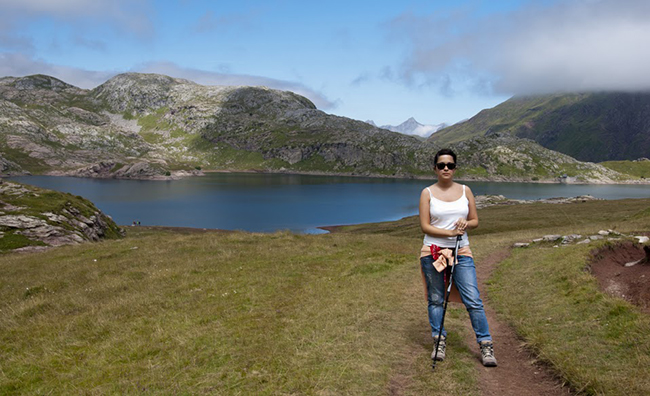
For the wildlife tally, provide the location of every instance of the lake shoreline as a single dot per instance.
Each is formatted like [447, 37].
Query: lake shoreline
[500, 179]
[178, 175]
[483, 201]
[265, 202]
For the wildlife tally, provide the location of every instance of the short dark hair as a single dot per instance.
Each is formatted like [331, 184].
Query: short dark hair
[444, 152]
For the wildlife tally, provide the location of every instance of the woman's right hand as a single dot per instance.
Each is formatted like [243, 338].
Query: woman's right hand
[456, 232]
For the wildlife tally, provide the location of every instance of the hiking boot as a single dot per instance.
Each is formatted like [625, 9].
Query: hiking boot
[442, 347]
[487, 354]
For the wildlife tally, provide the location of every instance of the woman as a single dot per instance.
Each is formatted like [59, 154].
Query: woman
[447, 210]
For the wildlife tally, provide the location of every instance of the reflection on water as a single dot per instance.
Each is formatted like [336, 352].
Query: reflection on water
[269, 202]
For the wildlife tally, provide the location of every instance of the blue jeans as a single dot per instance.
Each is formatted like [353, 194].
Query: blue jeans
[465, 282]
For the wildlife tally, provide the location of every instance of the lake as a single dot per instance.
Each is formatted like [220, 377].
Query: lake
[270, 202]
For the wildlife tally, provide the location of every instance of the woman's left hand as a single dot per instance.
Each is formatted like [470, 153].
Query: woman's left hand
[461, 224]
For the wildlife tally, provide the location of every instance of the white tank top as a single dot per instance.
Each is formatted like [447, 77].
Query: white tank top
[444, 215]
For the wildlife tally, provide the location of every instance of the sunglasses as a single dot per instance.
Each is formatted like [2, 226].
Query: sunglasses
[449, 165]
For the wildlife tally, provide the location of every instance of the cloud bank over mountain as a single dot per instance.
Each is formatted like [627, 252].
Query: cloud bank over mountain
[579, 45]
[18, 65]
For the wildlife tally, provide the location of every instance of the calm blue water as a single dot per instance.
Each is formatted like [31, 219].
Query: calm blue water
[269, 202]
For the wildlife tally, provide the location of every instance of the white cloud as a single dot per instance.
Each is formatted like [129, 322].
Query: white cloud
[425, 130]
[577, 45]
[18, 65]
[215, 78]
[125, 15]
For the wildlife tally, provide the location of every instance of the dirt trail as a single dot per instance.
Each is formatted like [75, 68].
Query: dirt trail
[518, 372]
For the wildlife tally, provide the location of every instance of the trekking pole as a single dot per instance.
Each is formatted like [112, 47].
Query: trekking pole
[444, 310]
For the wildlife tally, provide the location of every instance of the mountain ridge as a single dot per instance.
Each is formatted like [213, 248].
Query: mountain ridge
[156, 127]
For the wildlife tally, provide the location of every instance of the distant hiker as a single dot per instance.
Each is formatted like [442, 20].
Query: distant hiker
[448, 209]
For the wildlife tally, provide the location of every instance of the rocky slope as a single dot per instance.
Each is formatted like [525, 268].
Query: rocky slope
[589, 127]
[500, 156]
[149, 126]
[33, 218]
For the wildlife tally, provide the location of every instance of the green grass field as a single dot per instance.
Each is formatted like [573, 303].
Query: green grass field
[162, 312]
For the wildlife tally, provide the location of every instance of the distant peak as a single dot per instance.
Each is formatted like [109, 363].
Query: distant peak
[410, 123]
[413, 127]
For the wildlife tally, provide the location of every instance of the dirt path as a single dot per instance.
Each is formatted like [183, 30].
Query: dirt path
[518, 373]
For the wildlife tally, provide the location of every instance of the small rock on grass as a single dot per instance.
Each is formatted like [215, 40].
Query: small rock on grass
[642, 239]
[521, 244]
[570, 238]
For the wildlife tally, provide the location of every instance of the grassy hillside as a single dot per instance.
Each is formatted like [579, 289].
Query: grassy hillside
[640, 169]
[221, 313]
[505, 117]
[237, 313]
[590, 127]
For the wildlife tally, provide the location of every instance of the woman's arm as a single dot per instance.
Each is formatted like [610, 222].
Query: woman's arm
[472, 217]
[425, 220]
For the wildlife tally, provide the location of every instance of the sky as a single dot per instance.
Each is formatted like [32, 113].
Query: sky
[437, 61]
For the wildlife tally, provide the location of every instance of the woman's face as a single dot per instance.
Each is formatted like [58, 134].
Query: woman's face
[445, 172]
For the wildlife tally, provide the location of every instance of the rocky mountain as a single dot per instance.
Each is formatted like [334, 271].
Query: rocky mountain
[32, 218]
[48, 126]
[592, 127]
[153, 126]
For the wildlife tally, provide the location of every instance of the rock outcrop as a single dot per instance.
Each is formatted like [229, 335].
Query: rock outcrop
[32, 218]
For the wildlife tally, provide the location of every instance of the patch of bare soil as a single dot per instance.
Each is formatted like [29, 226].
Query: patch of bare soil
[518, 372]
[630, 282]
